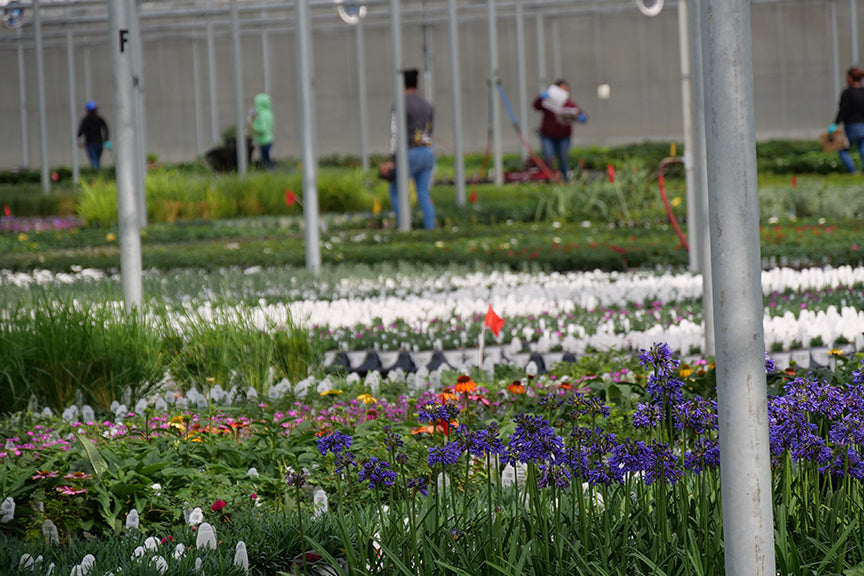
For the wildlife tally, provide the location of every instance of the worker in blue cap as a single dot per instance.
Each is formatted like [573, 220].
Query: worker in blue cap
[94, 133]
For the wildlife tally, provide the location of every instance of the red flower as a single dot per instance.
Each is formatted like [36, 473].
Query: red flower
[218, 505]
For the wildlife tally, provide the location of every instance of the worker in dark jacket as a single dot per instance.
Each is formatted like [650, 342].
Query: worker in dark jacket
[94, 132]
[851, 114]
[559, 112]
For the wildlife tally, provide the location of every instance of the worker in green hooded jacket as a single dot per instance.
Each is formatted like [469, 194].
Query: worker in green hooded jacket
[262, 128]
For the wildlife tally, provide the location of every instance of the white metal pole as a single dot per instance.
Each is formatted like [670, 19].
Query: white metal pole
[239, 116]
[140, 115]
[73, 107]
[542, 80]
[494, 102]
[306, 87]
[265, 55]
[211, 79]
[521, 73]
[22, 95]
[403, 217]
[124, 138]
[853, 30]
[428, 58]
[40, 88]
[196, 82]
[699, 227]
[456, 97]
[687, 108]
[745, 459]
[88, 77]
[556, 47]
[835, 51]
[360, 39]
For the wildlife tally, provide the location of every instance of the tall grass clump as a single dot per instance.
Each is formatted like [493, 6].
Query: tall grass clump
[59, 352]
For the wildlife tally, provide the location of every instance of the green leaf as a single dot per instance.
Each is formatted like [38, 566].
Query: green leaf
[96, 460]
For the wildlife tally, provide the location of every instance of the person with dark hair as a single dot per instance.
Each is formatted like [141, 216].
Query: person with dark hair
[851, 115]
[421, 159]
[94, 131]
[559, 112]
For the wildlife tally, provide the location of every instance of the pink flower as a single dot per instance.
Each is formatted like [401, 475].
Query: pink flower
[218, 505]
[77, 476]
[70, 491]
[854, 247]
[42, 474]
[253, 496]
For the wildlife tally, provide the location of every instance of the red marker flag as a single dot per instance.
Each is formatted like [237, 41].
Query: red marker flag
[610, 173]
[290, 197]
[6, 211]
[493, 321]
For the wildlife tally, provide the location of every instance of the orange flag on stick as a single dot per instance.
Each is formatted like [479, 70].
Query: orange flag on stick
[493, 321]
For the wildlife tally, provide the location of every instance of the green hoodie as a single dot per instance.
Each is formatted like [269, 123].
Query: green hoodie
[262, 126]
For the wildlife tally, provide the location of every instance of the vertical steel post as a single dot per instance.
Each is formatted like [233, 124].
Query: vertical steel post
[521, 73]
[124, 137]
[140, 116]
[456, 97]
[556, 46]
[699, 227]
[542, 80]
[22, 95]
[360, 39]
[265, 54]
[745, 474]
[211, 79]
[687, 107]
[196, 83]
[836, 80]
[403, 218]
[40, 88]
[88, 77]
[494, 101]
[239, 115]
[73, 106]
[306, 77]
[853, 31]
[428, 57]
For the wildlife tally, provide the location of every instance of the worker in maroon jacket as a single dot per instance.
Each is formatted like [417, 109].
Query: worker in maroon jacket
[559, 112]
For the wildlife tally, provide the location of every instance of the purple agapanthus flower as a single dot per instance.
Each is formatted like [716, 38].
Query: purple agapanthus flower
[421, 485]
[377, 472]
[582, 404]
[446, 455]
[392, 440]
[432, 412]
[704, 455]
[554, 475]
[534, 440]
[647, 416]
[335, 443]
[481, 443]
[662, 386]
[697, 415]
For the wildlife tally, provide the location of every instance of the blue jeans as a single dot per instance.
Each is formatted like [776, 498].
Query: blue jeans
[855, 135]
[421, 162]
[94, 153]
[558, 148]
[266, 163]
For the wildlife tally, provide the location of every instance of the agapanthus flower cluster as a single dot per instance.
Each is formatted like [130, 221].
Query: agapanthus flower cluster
[335, 443]
[534, 440]
[554, 475]
[446, 455]
[377, 473]
[296, 479]
[582, 404]
[663, 386]
[696, 415]
[483, 442]
[392, 440]
[433, 412]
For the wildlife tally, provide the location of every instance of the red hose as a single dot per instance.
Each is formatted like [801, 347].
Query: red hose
[662, 181]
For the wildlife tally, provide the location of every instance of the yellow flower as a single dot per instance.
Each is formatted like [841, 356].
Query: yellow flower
[367, 399]
[676, 201]
[177, 423]
[331, 392]
[835, 352]
[22, 237]
[685, 372]
[111, 237]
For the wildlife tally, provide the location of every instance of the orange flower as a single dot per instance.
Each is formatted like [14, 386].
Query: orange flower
[565, 386]
[516, 387]
[446, 395]
[464, 385]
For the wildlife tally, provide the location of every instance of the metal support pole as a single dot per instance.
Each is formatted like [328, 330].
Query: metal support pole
[403, 217]
[196, 83]
[521, 73]
[40, 87]
[303, 31]
[239, 116]
[687, 108]
[22, 95]
[456, 97]
[73, 107]
[836, 80]
[556, 47]
[124, 139]
[428, 58]
[853, 30]
[745, 459]
[88, 77]
[498, 160]
[211, 78]
[140, 116]
[542, 80]
[265, 55]
[699, 227]
[360, 39]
